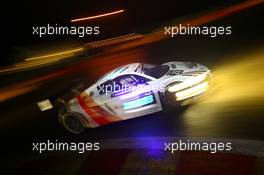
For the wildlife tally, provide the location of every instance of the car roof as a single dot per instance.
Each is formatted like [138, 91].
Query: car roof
[125, 69]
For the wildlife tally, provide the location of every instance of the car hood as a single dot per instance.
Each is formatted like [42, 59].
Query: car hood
[181, 71]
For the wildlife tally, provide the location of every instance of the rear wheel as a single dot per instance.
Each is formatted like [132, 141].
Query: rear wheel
[73, 122]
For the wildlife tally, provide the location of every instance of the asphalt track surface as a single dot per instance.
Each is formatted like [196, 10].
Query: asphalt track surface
[228, 116]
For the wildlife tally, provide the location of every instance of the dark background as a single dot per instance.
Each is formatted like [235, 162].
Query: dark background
[139, 17]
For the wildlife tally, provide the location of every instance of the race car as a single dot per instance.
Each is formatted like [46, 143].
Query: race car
[133, 90]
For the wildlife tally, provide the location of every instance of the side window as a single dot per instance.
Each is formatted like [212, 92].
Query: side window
[126, 83]
[130, 80]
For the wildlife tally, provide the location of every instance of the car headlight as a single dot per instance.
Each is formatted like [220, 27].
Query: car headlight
[188, 83]
[193, 91]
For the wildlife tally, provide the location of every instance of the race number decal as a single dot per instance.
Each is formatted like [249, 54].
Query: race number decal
[174, 72]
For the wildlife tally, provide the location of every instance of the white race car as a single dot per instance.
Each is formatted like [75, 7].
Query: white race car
[134, 90]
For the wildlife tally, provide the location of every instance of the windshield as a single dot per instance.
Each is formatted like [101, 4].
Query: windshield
[155, 71]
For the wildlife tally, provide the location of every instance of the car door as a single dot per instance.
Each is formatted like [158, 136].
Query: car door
[131, 96]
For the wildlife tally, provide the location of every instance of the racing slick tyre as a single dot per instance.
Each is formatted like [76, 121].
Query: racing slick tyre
[73, 122]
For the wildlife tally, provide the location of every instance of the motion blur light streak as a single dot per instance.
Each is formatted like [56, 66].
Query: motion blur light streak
[27, 86]
[97, 16]
[196, 90]
[39, 61]
[188, 83]
[241, 80]
[158, 34]
[224, 12]
[116, 40]
[13, 92]
[48, 59]
[64, 54]
[236, 87]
